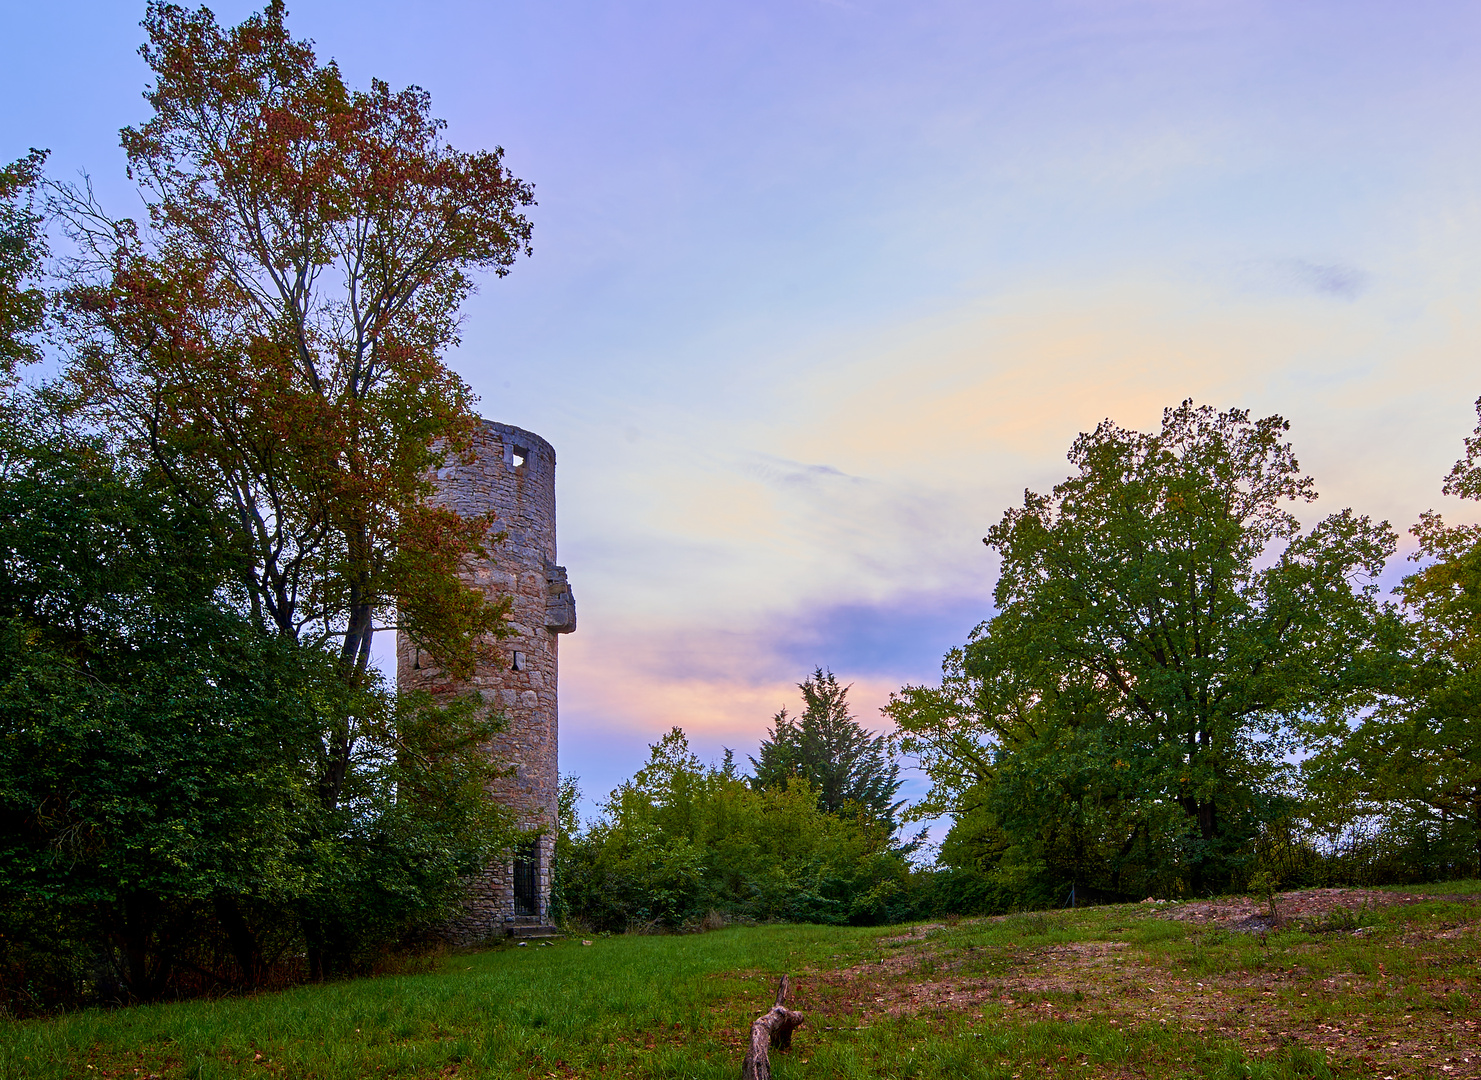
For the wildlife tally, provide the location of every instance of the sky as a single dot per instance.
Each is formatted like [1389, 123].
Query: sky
[820, 287]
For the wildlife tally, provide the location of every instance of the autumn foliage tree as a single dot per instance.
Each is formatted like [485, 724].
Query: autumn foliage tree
[262, 356]
[22, 247]
[272, 337]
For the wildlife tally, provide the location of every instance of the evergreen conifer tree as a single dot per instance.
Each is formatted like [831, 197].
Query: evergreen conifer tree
[832, 750]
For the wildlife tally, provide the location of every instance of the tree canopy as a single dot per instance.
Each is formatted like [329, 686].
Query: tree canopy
[1164, 626]
[1418, 754]
[208, 516]
[273, 335]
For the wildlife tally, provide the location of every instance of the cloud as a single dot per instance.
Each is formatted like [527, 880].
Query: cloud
[783, 472]
[904, 637]
[1336, 279]
[643, 676]
[1280, 278]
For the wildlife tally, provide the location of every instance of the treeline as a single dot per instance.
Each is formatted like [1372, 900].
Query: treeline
[207, 513]
[1181, 690]
[808, 836]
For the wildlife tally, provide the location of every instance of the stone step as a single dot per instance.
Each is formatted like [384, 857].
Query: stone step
[532, 931]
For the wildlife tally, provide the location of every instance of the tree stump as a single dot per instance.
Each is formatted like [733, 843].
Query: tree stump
[772, 1028]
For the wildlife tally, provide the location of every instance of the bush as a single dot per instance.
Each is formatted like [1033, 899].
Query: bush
[681, 843]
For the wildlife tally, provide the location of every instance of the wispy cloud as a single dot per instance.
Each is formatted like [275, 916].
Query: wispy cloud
[783, 472]
[1342, 280]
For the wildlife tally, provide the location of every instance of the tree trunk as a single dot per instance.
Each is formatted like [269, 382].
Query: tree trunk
[772, 1028]
[1208, 820]
[138, 926]
[1476, 826]
[313, 947]
[239, 934]
[148, 946]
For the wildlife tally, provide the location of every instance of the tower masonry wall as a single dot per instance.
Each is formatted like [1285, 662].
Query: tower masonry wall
[512, 473]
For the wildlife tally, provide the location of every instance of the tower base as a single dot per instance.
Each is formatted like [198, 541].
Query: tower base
[531, 931]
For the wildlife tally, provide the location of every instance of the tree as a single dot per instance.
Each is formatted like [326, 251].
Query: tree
[1042, 787]
[841, 761]
[1418, 756]
[159, 755]
[1165, 601]
[141, 723]
[273, 340]
[679, 840]
[269, 343]
[22, 248]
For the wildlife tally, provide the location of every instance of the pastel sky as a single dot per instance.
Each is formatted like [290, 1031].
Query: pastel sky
[820, 287]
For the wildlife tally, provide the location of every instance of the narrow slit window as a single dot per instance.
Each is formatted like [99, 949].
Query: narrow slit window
[521, 455]
[519, 663]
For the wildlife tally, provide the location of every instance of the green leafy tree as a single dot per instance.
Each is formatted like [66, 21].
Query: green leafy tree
[139, 719]
[1416, 760]
[680, 839]
[841, 761]
[1163, 611]
[567, 831]
[160, 755]
[1042, 789]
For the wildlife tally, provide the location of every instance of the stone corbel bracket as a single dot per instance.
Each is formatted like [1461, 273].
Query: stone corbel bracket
[560, 601]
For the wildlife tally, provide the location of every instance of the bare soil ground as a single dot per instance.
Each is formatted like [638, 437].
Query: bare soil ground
[1249, 914]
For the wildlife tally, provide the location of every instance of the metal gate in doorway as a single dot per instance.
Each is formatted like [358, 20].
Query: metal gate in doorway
[526, 876]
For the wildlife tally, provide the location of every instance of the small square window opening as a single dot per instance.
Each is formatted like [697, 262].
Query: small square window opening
[521, 455]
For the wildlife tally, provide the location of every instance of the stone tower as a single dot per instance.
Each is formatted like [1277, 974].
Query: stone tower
[512, 474]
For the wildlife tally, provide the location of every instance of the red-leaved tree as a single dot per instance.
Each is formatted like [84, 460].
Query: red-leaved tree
[273, 335]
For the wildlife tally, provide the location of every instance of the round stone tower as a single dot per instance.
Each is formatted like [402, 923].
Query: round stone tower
[513, 474]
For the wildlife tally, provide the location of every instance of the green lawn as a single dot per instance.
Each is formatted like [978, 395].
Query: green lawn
[1124, 991]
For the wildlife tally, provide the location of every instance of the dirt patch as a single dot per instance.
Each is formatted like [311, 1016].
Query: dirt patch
[1083, 948]
[911, 980]
[1311, 905]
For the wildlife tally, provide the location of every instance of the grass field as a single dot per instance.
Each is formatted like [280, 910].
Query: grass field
[1380, 989]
